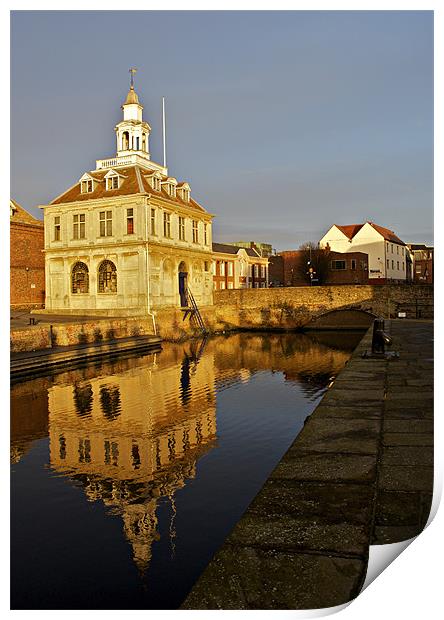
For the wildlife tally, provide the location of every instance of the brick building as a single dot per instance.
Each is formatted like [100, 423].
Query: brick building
[27, 261]
[350, 268]
[275, 270]
[422, 259]
[235, 267]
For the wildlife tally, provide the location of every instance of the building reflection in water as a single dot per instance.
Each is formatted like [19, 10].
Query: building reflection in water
[134, 437]
[131, 431]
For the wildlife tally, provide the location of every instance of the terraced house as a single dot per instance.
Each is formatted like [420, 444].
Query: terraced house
[126, 237]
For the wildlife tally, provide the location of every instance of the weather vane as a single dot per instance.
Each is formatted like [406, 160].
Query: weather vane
[133, 70]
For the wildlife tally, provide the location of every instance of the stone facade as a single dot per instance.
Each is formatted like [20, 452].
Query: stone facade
[126, 237]
[298, 307]
[27, 262]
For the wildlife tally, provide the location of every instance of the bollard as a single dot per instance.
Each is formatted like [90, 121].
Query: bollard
[380, 338]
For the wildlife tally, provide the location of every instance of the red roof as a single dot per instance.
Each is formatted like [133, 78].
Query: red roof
[351, 229]
[388, 235]
[133, 181]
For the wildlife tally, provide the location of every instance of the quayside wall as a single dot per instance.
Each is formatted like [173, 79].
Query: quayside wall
[292, 308]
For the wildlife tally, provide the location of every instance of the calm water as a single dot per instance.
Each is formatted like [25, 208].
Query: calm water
[128, 475]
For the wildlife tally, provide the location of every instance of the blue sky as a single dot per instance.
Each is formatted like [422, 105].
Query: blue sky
[282, 122]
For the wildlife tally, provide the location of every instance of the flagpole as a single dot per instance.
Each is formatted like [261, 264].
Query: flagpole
[164, 132]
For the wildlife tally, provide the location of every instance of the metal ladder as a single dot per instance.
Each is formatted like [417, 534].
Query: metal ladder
[192, 311]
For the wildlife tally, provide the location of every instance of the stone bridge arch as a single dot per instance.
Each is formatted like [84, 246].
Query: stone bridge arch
[343, 318]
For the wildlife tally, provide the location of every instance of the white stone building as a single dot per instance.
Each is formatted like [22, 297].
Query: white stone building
[126, 237]
[387, 254]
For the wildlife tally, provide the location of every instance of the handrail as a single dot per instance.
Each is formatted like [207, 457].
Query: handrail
[194, 310]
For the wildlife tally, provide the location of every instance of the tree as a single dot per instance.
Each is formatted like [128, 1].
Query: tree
[314, 262]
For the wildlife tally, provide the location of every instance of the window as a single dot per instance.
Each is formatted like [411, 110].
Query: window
[403, 265]
[230, 284]
[153, 221]
[393, 264]
[181, 228]
[106, 223]
[222, 285]
[78, 226]
[391, 247]
[402, 251]
[256, 271]
[130, 221]
[387, 247]
[107, 277]
[388, 264]
[195, 231]
[418, 269]
[353, 264]
[397, 249]
[397, 265]
[112, 182]
[222, 269]
[206, 265]
[86, 186]
[79, 278]
[167, 225]
[262, 271]
[57, 228]
[338, 264]
[230, 268]
[213, 268]
[205, 234]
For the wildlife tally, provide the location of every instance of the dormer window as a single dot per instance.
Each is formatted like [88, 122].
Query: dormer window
[154, 181]
[170, 186]
[184, 192]
[87, 186]
[112, 182]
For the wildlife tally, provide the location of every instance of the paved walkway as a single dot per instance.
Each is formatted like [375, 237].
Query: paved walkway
[359, 473]
[21, 318]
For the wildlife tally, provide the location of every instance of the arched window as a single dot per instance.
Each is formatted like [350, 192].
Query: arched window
[107, 277]
[125, 141]
[79, 278]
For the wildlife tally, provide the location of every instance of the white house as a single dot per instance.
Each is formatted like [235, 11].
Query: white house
[387, 254]
[126, 237]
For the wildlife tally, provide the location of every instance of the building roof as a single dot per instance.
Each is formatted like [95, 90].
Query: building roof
[388, 235]
[132, 181]
[419, 246]
[131, 97]
[351, 230]
[225, 248]
[19, 215]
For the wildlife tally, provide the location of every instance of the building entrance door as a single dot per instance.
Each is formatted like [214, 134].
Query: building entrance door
[183, 276]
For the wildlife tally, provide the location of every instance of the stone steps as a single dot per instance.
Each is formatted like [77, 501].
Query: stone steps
[27, 364]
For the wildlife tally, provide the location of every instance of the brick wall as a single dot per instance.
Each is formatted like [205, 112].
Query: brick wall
[355, 272]
[27, 265]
